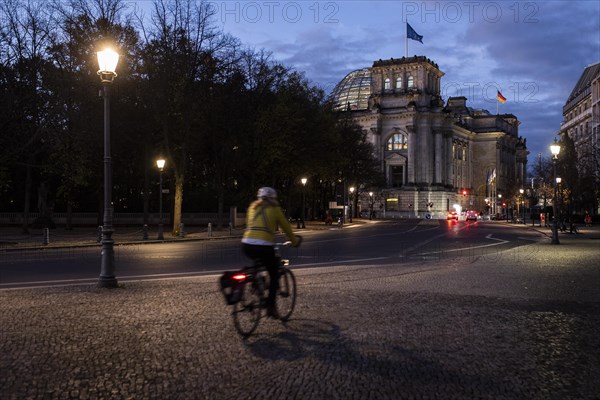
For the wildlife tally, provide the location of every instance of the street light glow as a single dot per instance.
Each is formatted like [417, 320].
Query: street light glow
[303, 180]
[160, 163]
[107, 62]
[555, 149]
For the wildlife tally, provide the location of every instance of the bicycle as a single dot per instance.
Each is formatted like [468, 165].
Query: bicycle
[254, 280]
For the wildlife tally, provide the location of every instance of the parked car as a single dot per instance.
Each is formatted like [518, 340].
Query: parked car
[452, 215]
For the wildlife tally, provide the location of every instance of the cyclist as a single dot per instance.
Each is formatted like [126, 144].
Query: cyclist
[263, 218]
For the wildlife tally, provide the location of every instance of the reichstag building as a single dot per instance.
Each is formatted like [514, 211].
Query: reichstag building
[435, 155]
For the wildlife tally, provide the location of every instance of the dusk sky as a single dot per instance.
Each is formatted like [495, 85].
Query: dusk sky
[533, 52]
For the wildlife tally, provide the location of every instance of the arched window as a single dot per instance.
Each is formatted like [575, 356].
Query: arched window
[398, 141]
[410, 82]
[386, 84]
[399, 82]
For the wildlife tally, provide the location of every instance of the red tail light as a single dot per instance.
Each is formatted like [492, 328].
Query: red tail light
[239, 277]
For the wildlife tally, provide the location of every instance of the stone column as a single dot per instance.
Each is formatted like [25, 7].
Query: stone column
[412, 162]
[425, 153]
[449, 160]
[438, 179]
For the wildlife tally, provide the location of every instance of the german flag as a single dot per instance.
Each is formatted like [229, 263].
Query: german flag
[501, 98]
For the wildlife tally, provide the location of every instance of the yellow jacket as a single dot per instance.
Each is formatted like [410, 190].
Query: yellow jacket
[262, 221]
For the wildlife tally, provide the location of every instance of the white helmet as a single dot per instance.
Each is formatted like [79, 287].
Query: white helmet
[267, 192]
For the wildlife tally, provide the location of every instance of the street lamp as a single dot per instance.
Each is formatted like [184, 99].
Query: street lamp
[559, 197]
[499, 203]
[555, 150]
[160, 163]
[107, 63]
[370, 205]
[522, 202]
[351, 201]
[303, 180]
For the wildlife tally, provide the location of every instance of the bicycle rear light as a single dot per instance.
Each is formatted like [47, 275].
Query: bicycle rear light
[239, 277]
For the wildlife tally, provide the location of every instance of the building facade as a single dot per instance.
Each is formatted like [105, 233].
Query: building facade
[435, 156]
[581, 119]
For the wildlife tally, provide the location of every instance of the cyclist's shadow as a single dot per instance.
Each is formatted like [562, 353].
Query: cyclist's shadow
[303, 337]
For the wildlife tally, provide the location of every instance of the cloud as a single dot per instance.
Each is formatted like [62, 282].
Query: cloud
[534, 52]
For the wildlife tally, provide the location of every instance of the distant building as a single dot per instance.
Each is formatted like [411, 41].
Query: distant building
[434, 155]
[581, 121]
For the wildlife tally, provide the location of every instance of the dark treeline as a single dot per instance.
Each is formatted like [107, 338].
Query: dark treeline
[227, 119]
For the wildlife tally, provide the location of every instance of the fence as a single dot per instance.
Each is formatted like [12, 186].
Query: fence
[91, 219]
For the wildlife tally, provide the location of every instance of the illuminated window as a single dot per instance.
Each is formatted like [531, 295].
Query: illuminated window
[391, 205]
[410, 82]
[386, 84]
[399, 82]
[398, 141]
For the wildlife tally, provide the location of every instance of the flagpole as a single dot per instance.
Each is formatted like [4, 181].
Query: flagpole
[406, 31]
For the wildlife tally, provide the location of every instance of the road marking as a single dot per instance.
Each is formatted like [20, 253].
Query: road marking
[135, 278]
[489, 236]
[83, 281]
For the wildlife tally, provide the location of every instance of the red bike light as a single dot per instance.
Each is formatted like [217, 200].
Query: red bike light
[239, 277]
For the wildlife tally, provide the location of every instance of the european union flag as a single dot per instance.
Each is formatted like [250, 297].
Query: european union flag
[411, 34]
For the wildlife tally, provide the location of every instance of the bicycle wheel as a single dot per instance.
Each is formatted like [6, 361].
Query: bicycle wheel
[286, 294]
[247, 312]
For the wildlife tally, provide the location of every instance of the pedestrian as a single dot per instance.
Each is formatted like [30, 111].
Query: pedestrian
[588, 219]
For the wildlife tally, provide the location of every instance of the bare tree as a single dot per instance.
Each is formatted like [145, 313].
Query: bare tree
[183, 52]
[25, 27]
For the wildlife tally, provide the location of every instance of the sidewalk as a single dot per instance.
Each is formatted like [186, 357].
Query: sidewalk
[514, 325]
[583, 232]
[11, 238]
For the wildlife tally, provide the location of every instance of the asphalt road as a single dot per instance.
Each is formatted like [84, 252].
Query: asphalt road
[378, 242]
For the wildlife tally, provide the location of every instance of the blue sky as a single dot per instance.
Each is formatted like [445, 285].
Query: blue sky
[533, 51]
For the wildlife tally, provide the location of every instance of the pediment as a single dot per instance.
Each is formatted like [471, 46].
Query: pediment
[394, 157]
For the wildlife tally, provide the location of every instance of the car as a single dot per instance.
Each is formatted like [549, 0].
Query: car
[471, 215]
[452, 215]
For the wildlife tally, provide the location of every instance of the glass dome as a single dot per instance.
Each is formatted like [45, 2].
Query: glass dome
[353, 92]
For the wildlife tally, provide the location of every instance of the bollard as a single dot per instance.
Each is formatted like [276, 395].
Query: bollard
[46, 236]
[181, 232]
[230, 229]
[145, 232]
[99, 234]
[209, 229]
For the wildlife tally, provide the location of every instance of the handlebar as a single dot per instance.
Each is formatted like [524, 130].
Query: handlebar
[288, 243]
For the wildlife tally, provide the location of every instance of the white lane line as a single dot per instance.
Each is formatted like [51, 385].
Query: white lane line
[489, 236]
[133, 278]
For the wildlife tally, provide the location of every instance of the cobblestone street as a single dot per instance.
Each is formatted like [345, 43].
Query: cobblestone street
[521, 326]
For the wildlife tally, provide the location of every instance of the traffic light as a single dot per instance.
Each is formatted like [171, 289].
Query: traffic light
[464, 192]
[503, 204]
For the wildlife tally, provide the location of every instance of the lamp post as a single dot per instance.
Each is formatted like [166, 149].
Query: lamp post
[160, 163]
[303, 180]
[522, 202]
[107, 62]
[555, 150]
[370, 205]
[351, 201]
[559, 199]
[499, 204]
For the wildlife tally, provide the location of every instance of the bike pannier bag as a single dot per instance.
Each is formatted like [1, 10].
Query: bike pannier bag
[232, 286]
